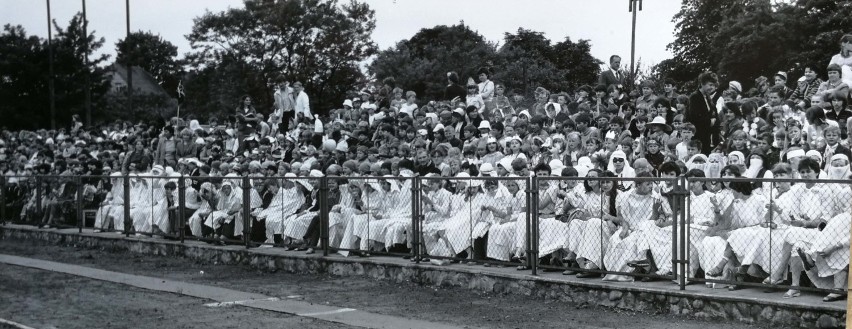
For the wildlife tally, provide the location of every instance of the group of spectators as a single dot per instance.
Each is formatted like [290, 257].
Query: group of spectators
[374, 145]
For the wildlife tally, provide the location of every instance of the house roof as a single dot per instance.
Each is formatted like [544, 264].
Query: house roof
[143, 82]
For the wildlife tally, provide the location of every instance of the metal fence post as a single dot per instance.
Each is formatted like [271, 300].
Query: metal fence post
[39, 195]
[323, 216]
[682, 193]
[527, 222]
[532, 232]
[246, 211]
[180, 216]
[79, 204]
[128, 222]
[769, 225]
[601, 212]
[3, 200]
[415, 219]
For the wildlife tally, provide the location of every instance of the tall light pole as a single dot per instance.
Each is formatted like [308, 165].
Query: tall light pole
[129, 61]
[633, 9]
[88, 74]
[50, 65]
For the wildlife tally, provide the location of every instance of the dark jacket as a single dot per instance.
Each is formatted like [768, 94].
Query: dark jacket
[699, 113]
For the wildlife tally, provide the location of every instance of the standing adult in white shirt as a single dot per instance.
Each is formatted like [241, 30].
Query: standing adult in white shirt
[301, 102]
[283, 107]
[486, 89]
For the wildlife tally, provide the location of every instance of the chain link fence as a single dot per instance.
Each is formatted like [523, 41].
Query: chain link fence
[474, 220]
[776, 233]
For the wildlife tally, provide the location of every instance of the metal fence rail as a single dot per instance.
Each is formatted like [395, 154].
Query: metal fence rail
[769, 233]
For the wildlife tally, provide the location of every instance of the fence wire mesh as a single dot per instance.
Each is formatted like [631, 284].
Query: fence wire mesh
[373, 215]
[606, 227]
[728, 232]
[782, 233]
[474, 220]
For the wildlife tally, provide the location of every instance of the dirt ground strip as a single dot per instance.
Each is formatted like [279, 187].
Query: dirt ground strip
[94, 301]
[43, 299]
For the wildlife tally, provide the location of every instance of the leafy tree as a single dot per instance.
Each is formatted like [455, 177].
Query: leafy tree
[314, 41]
[70, 70]
[814, 28]
[24, 75]
[744, 39]
[577, 64]
[528, 60]
[421, 63]
[23, 78]
[696, 27]
[146, 107]
[215, 90]
[153, 54]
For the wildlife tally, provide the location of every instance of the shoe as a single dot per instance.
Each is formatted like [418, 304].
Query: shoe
[792, 293]
[523, 268]
[569, 272]
[302, 248]
[585, 275]
[770, 282]
[641, 263]
[833, 297]
[310, 251]
[264, 246]
[716, 271]
[96, 231]
[648, 279]
[806, 260]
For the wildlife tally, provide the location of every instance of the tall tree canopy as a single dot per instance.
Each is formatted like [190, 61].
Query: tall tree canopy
[153, 54]
[318, 42]
[421, 63]
[527, 59]
[744, 39]
[24, 75]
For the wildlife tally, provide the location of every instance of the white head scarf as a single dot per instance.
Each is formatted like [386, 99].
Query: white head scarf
[715, 163]
[736, 158]
[584, 164]
[628, 171]
[702, 166]
[754, 166]
[228, 201]
[842, 172]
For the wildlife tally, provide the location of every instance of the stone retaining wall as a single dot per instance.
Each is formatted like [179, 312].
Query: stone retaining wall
[633, 298]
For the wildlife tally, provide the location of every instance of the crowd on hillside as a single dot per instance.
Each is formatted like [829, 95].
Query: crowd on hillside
[777, 129]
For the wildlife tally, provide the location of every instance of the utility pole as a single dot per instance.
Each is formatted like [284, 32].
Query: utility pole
[633, 9]
[129, 63]
[88, 74]
[50, 65]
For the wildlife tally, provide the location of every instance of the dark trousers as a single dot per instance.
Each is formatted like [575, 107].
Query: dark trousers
[480, 247]
[284, 126]
[258, 230]
[312, 236]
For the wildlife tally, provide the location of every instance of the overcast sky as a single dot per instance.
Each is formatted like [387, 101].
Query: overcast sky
[605, 22]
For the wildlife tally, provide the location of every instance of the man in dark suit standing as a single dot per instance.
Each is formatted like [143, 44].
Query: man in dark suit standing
[701, 111]
[454, 92]
[613, 76]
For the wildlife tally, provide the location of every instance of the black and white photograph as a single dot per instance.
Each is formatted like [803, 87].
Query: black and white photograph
[425, 164]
